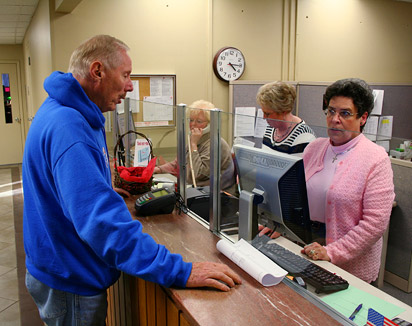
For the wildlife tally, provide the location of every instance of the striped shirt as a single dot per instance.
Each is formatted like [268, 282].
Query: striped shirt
[300, 136]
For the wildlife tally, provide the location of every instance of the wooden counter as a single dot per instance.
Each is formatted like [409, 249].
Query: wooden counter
[145, 303]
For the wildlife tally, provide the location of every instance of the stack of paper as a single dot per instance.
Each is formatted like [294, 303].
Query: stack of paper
[252, 261]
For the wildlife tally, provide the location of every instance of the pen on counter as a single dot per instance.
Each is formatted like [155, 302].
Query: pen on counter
[352, 317]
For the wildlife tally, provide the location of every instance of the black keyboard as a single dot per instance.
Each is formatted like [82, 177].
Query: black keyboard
[321, 279]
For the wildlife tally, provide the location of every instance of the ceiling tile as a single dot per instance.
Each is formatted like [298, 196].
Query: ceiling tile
[15, 17]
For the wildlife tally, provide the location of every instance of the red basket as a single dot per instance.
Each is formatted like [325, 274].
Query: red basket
[133, 188]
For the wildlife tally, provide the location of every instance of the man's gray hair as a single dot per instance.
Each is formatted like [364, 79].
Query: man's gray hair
[103, 48]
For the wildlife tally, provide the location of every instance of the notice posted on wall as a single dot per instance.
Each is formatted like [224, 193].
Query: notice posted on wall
[245, 121]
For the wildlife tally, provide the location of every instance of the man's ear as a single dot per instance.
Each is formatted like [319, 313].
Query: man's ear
[96, 69]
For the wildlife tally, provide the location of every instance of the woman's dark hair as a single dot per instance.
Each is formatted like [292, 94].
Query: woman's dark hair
[356, 89]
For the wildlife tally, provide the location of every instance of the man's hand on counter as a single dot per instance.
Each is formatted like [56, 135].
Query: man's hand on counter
[215, 275]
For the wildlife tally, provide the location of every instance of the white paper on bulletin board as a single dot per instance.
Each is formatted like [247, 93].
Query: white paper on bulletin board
[134, 97]
[385, 127]
[245, 121]
[151, 123]
[161, 86]
[371, 127]
[158, 108]
[378, 101]
[120, 107]
[261, 124]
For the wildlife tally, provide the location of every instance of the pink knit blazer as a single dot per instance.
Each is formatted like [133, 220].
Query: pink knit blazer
[358, 205]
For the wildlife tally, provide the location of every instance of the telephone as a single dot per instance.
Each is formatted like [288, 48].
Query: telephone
[158, 201]
[205, 130]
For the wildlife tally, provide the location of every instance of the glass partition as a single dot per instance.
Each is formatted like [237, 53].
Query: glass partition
[210, 168]
[241, 154]
[199, 161]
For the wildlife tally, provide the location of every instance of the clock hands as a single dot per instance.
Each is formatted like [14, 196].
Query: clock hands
[231, 64]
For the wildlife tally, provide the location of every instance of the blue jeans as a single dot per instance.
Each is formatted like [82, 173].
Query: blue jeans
[61, 308]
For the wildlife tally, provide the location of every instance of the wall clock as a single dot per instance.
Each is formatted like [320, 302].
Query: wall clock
[229, 64]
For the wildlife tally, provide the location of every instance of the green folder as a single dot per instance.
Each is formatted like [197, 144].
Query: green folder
[346, 301]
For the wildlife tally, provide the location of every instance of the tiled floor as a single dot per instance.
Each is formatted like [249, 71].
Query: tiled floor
[9, 297]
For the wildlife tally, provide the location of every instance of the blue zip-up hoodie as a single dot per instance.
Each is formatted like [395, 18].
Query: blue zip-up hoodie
[78, 232]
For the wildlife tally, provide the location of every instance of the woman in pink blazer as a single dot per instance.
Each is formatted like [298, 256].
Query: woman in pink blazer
[349, 182]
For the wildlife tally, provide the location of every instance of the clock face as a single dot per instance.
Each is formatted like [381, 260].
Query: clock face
[229, 64]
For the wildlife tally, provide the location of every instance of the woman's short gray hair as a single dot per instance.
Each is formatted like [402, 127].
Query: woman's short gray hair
[103, 48]
[277, 96]
[201, 105]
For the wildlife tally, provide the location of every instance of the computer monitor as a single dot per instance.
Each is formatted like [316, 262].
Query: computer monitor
[280, 179]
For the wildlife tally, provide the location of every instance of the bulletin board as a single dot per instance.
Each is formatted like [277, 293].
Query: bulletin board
[152, 100]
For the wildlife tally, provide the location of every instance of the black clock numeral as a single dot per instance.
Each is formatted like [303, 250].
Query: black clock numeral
[238, 71]
[234, 75]
[239, 59]
[229, 76]
[221, 69]
[220, 63]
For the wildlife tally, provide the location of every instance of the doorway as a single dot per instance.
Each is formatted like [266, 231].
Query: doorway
[11, 117]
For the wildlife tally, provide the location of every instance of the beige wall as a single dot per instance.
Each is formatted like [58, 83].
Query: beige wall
[11, 53]
[255, 28]
[305, 40]
[370, 39]
[37, 47]
[180, 37]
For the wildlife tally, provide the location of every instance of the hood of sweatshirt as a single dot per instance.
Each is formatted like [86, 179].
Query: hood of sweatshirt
[65, 89]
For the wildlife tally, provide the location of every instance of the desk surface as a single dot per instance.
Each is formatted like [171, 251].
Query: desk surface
[247, 304]
[353, 280]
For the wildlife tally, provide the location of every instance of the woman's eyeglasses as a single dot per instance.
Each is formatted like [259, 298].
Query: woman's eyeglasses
[197, 121]
[344, 114]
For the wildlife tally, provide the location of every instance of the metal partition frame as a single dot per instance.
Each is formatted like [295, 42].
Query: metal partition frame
[181, 148]
[215, 167]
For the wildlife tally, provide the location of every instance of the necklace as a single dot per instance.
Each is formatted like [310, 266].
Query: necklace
[336, 154]
[280, 137]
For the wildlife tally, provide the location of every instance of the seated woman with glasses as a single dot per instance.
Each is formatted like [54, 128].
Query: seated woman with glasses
[349, 183]
[198, 159]
[285, 132]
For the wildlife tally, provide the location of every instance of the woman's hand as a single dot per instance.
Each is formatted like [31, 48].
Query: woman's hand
[263, 230]
[195, 135]
[315, 251]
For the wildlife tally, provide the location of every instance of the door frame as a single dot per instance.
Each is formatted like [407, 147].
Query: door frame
[20, 94]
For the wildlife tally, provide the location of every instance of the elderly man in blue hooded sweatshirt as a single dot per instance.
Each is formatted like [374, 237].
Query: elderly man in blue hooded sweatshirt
[78, 232]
